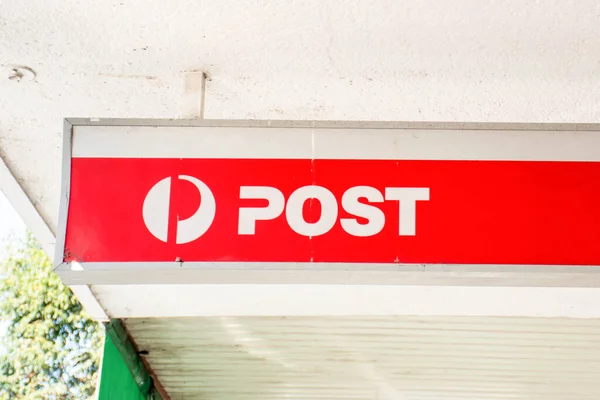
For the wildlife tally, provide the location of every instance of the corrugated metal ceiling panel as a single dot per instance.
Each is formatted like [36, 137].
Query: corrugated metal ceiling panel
[404, 358]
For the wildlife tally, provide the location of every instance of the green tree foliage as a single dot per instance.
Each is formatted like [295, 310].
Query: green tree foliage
[51, 349]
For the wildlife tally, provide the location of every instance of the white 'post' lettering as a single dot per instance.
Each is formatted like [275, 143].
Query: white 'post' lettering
[329, 211]
[407, 198]
[375, 217]
[249, 215]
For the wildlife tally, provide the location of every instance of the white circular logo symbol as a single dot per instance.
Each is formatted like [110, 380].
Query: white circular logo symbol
[157, 207]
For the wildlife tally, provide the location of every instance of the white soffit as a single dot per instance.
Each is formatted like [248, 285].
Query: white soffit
[188, 300]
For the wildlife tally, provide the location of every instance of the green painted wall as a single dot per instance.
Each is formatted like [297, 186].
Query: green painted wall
[123, 375]
[116, 381]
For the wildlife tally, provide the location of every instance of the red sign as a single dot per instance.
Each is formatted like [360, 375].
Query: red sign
[144, 205]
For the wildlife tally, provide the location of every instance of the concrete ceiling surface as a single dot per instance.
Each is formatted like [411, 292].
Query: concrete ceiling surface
[462, 60]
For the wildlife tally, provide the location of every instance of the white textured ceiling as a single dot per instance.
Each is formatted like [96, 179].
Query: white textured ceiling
[460, 60]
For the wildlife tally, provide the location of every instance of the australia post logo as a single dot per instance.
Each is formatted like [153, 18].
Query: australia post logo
[359, 202]
[157, 206]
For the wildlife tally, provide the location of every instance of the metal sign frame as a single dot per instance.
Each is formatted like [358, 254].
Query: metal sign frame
[306, 273]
